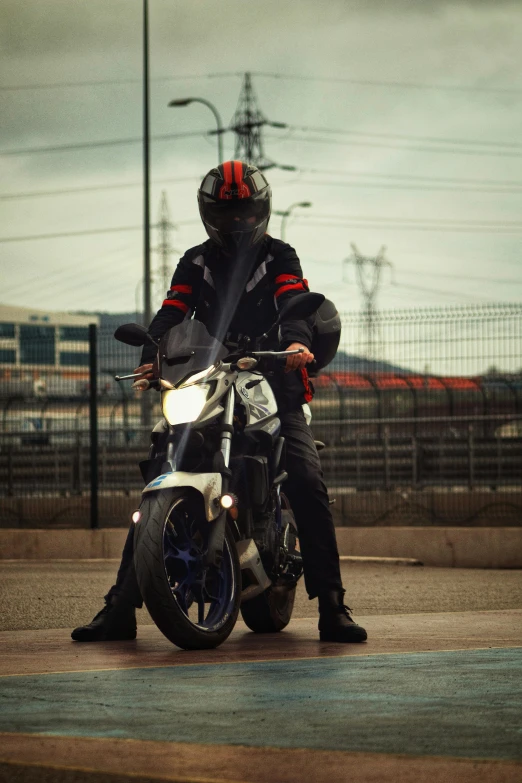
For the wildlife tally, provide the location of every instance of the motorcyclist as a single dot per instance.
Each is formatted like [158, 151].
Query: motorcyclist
[234, 283]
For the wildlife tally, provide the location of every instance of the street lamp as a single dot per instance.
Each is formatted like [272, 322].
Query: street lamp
[285, 214]
[220, 129]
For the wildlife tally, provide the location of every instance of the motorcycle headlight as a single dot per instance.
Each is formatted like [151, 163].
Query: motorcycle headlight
[181, 406]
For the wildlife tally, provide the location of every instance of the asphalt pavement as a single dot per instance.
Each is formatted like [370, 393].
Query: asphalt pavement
[434, 695]
[62, 594]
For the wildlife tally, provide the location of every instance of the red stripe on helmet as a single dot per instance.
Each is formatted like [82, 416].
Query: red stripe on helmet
[243, 191]
[227, 172]
[224, 191]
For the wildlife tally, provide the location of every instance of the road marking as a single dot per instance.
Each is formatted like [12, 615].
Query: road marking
[262, 660]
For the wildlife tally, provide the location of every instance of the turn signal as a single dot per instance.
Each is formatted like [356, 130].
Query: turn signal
[247, 363]
[228, 501]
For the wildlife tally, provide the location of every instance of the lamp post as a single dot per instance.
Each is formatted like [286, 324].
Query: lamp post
[220, 129]
[146, 169]
[285, 214]
[146, 401]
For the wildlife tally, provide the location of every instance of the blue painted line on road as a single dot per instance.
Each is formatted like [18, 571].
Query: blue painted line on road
[466, 703]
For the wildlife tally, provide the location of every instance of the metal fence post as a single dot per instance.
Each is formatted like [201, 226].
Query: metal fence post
[471, 457]
[10, 471]
[93, 423]
[386, 449]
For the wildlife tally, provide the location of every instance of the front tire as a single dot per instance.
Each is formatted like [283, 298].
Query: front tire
[270, 611]
[194, 607]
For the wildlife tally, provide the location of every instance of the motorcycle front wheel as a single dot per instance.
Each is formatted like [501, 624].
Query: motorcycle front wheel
[194, 606]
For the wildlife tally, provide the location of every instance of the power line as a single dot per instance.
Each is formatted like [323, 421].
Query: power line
[404, 137]
[405, 186]
[325, 222]
[437, 291]
[280, 76]
[50, 278]
[424, 221]
[107, 143]
[413, 177]
[379, 226]
[92, 188]
[406, 147]
[100, 82]
[504, 186]
[465, 278]
[32, 237]
[399, 84]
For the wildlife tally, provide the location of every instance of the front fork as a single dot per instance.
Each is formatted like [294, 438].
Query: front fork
[217, 530]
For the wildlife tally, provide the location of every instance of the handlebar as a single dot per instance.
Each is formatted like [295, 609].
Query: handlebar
[233, 366]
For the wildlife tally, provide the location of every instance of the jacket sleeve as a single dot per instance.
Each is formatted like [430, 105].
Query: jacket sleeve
[288, 280]
[180, 300]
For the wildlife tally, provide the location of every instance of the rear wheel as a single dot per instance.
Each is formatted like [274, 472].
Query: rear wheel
[194, 606]
[270, 611]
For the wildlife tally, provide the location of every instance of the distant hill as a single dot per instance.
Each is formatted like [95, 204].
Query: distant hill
[346, 362]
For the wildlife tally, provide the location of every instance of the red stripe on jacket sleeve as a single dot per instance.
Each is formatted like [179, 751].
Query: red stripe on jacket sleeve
[182, 289]
[176, 303]
[297, 286]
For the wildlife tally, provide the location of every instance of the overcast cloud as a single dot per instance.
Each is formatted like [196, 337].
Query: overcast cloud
[428, 44]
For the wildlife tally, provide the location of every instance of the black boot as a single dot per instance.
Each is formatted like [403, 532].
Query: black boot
[335, 623]
[115, 622]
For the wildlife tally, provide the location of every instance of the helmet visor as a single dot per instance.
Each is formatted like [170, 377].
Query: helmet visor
[235, 214]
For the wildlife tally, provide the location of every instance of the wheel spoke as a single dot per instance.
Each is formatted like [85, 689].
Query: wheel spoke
[209, 592]
[201, 611]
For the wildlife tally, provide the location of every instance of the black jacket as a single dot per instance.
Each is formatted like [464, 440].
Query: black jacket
[239, 297]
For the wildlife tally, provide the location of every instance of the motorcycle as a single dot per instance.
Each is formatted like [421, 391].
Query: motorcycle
[214, 533]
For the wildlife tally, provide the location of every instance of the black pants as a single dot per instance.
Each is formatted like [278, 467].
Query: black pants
[308, 496]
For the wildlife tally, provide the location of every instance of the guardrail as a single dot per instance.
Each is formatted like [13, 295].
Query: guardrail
[386, 462]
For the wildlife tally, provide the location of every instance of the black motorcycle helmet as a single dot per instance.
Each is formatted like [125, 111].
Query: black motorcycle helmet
[235, 202]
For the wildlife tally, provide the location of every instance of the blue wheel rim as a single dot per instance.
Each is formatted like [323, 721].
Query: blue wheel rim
[205, 596]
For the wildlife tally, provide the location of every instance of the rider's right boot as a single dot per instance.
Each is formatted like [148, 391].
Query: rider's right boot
[115, 622]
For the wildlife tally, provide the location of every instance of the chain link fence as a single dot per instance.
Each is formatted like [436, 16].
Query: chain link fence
[420, 413]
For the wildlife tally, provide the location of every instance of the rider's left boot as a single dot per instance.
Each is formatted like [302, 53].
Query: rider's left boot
[115, 622]
[335, 622]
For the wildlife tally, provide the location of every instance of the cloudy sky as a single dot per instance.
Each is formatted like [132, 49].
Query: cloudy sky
[404, 125]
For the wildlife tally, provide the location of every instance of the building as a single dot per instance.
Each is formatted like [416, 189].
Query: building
[39, 349]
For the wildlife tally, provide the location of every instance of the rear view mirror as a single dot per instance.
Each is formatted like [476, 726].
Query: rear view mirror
[133, 334]
[300, 306]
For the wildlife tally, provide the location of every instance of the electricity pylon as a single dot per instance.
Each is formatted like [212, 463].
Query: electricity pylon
[164, 247]
[247, 124]
[368, 272]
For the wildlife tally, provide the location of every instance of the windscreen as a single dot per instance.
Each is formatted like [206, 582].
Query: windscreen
[186, 349]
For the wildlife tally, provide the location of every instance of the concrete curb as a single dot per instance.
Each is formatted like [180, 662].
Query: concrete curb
[403, 561]
[103, 544]
[457, 547]
[460, 547]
